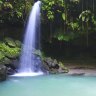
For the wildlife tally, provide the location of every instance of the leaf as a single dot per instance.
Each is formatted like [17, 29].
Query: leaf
[64, 16]
[19, 14]
[83, 18]
[1, 2]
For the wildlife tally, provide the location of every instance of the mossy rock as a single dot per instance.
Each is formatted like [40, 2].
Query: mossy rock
[9, 52]
[18, 43]
[12, 52]
[61, 65]
[6, 61]
[2, 56]
[10, 42]
[53, 66]
[63, 68]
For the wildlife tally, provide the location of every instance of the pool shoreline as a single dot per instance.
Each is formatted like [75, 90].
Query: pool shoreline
[81, 69]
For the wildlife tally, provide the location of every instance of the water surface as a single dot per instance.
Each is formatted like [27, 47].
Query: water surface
[50, 85]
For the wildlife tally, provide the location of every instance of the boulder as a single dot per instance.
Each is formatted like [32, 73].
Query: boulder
[10, 42]
[12, 67]
[52, 66]
[3, 72]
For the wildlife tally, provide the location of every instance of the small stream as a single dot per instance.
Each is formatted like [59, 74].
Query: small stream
[49, 85]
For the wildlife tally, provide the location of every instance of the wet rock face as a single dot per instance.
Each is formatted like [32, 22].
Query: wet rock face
[11, 69]
[52, 66]
[3, 71]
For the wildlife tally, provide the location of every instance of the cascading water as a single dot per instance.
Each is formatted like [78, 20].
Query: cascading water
[29, 62]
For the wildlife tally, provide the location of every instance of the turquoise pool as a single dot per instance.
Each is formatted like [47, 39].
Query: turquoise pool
[49, 85]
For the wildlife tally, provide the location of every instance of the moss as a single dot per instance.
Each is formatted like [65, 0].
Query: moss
[18, 43]
[61, 65]
[10, 42]
[8, 50]
[66, 70]
[12, 53]
[2, 56]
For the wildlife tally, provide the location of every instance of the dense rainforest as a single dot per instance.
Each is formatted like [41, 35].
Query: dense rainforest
[68, 26]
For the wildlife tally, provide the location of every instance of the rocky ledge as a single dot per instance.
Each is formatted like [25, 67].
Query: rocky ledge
[52, 66]
[3, 72]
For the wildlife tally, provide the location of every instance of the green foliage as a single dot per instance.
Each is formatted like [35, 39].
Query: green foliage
[19, 14]
[8, 50]
[14, 11]
[93, 19]
[85, 16]
[66, 37]
[75, 17]
[2, 56]
[48, 7]
[64, 16]
[71, 15]
[7, 5]
[74, 25]
[1, 2]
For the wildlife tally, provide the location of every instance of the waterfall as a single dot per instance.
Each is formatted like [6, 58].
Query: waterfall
[29, 62]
